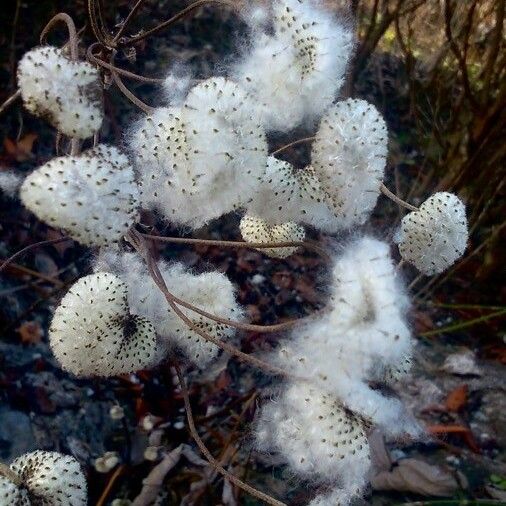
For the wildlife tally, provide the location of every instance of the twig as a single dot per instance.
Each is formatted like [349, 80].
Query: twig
[71, 27]
[30, 248]
[138, 243]
[463, 325]
[128, 94]
[214, 463]
[294, 143]
[396, 199]
[94, 59]
[173, 19]
[112, 480]
[10, 101]
[279, 327]
[129, 18]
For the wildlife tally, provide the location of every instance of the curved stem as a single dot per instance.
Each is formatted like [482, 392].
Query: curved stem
[30, 248]
[174, 19]
[396, 199]
[10, 101]
[203, 448]
[97, 61]
[294, 143]
[98, 31]
[242, 244]
[128, 94]
[139, 244]
[71, 27]
[129, 18]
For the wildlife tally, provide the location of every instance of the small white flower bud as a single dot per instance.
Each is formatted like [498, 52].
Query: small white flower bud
[116, 413]
[106, 462]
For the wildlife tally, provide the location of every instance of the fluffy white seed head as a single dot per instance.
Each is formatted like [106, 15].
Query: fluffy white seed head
[94, 334]
[317, 437]
[363, 336]
[93, 196]
[204, 159]
[296, 72]
[50, 478]
[256, 230]
[10, 494]
[211, 291]
[435, 236]
[68, 94]
[349, 157]
[287, 194]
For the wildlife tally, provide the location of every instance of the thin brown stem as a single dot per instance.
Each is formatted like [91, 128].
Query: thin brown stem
[128, 19]
[174, 19]
[71, 27]
[30, 248]
[128, 94]
[10, 101]
[139, 244]
[110, 484]
[203, 448]
[294, 143]
[396, 199]
[242, 244]
[97, 61]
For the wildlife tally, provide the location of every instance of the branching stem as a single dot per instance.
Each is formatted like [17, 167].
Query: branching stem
[214, 463]
[396, 199]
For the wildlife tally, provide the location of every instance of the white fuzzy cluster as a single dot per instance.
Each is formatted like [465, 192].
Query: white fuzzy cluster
[296, 72]
[289, 194]
[317, 436]
[349, 157]
[364, 337]
[67, 93]
[435, 236]
[202, 160]
[211, 291]
[45, 479]
[256, 230]
[93, 332]
[92, 196]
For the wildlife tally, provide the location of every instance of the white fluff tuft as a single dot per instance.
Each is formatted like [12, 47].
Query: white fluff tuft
[176, 84]
[50, 478]
[93, 196]
[363, 337]
[349, 157]
[212, 292]
[10, 183]
[93, 332]
[256, 230]
[68, 94]
[434, 237]
[287, 194]
[204, 159]
[297, 72]
[318, 438]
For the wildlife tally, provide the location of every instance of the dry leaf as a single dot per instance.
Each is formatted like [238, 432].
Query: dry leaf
[412, 475]
[30, 332]
[457, 399]
[459, 430]
[22, 149]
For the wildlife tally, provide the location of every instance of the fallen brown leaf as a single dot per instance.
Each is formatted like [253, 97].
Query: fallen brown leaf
[30, 332]
[464, 432]
[457, 399]
[21, 150]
